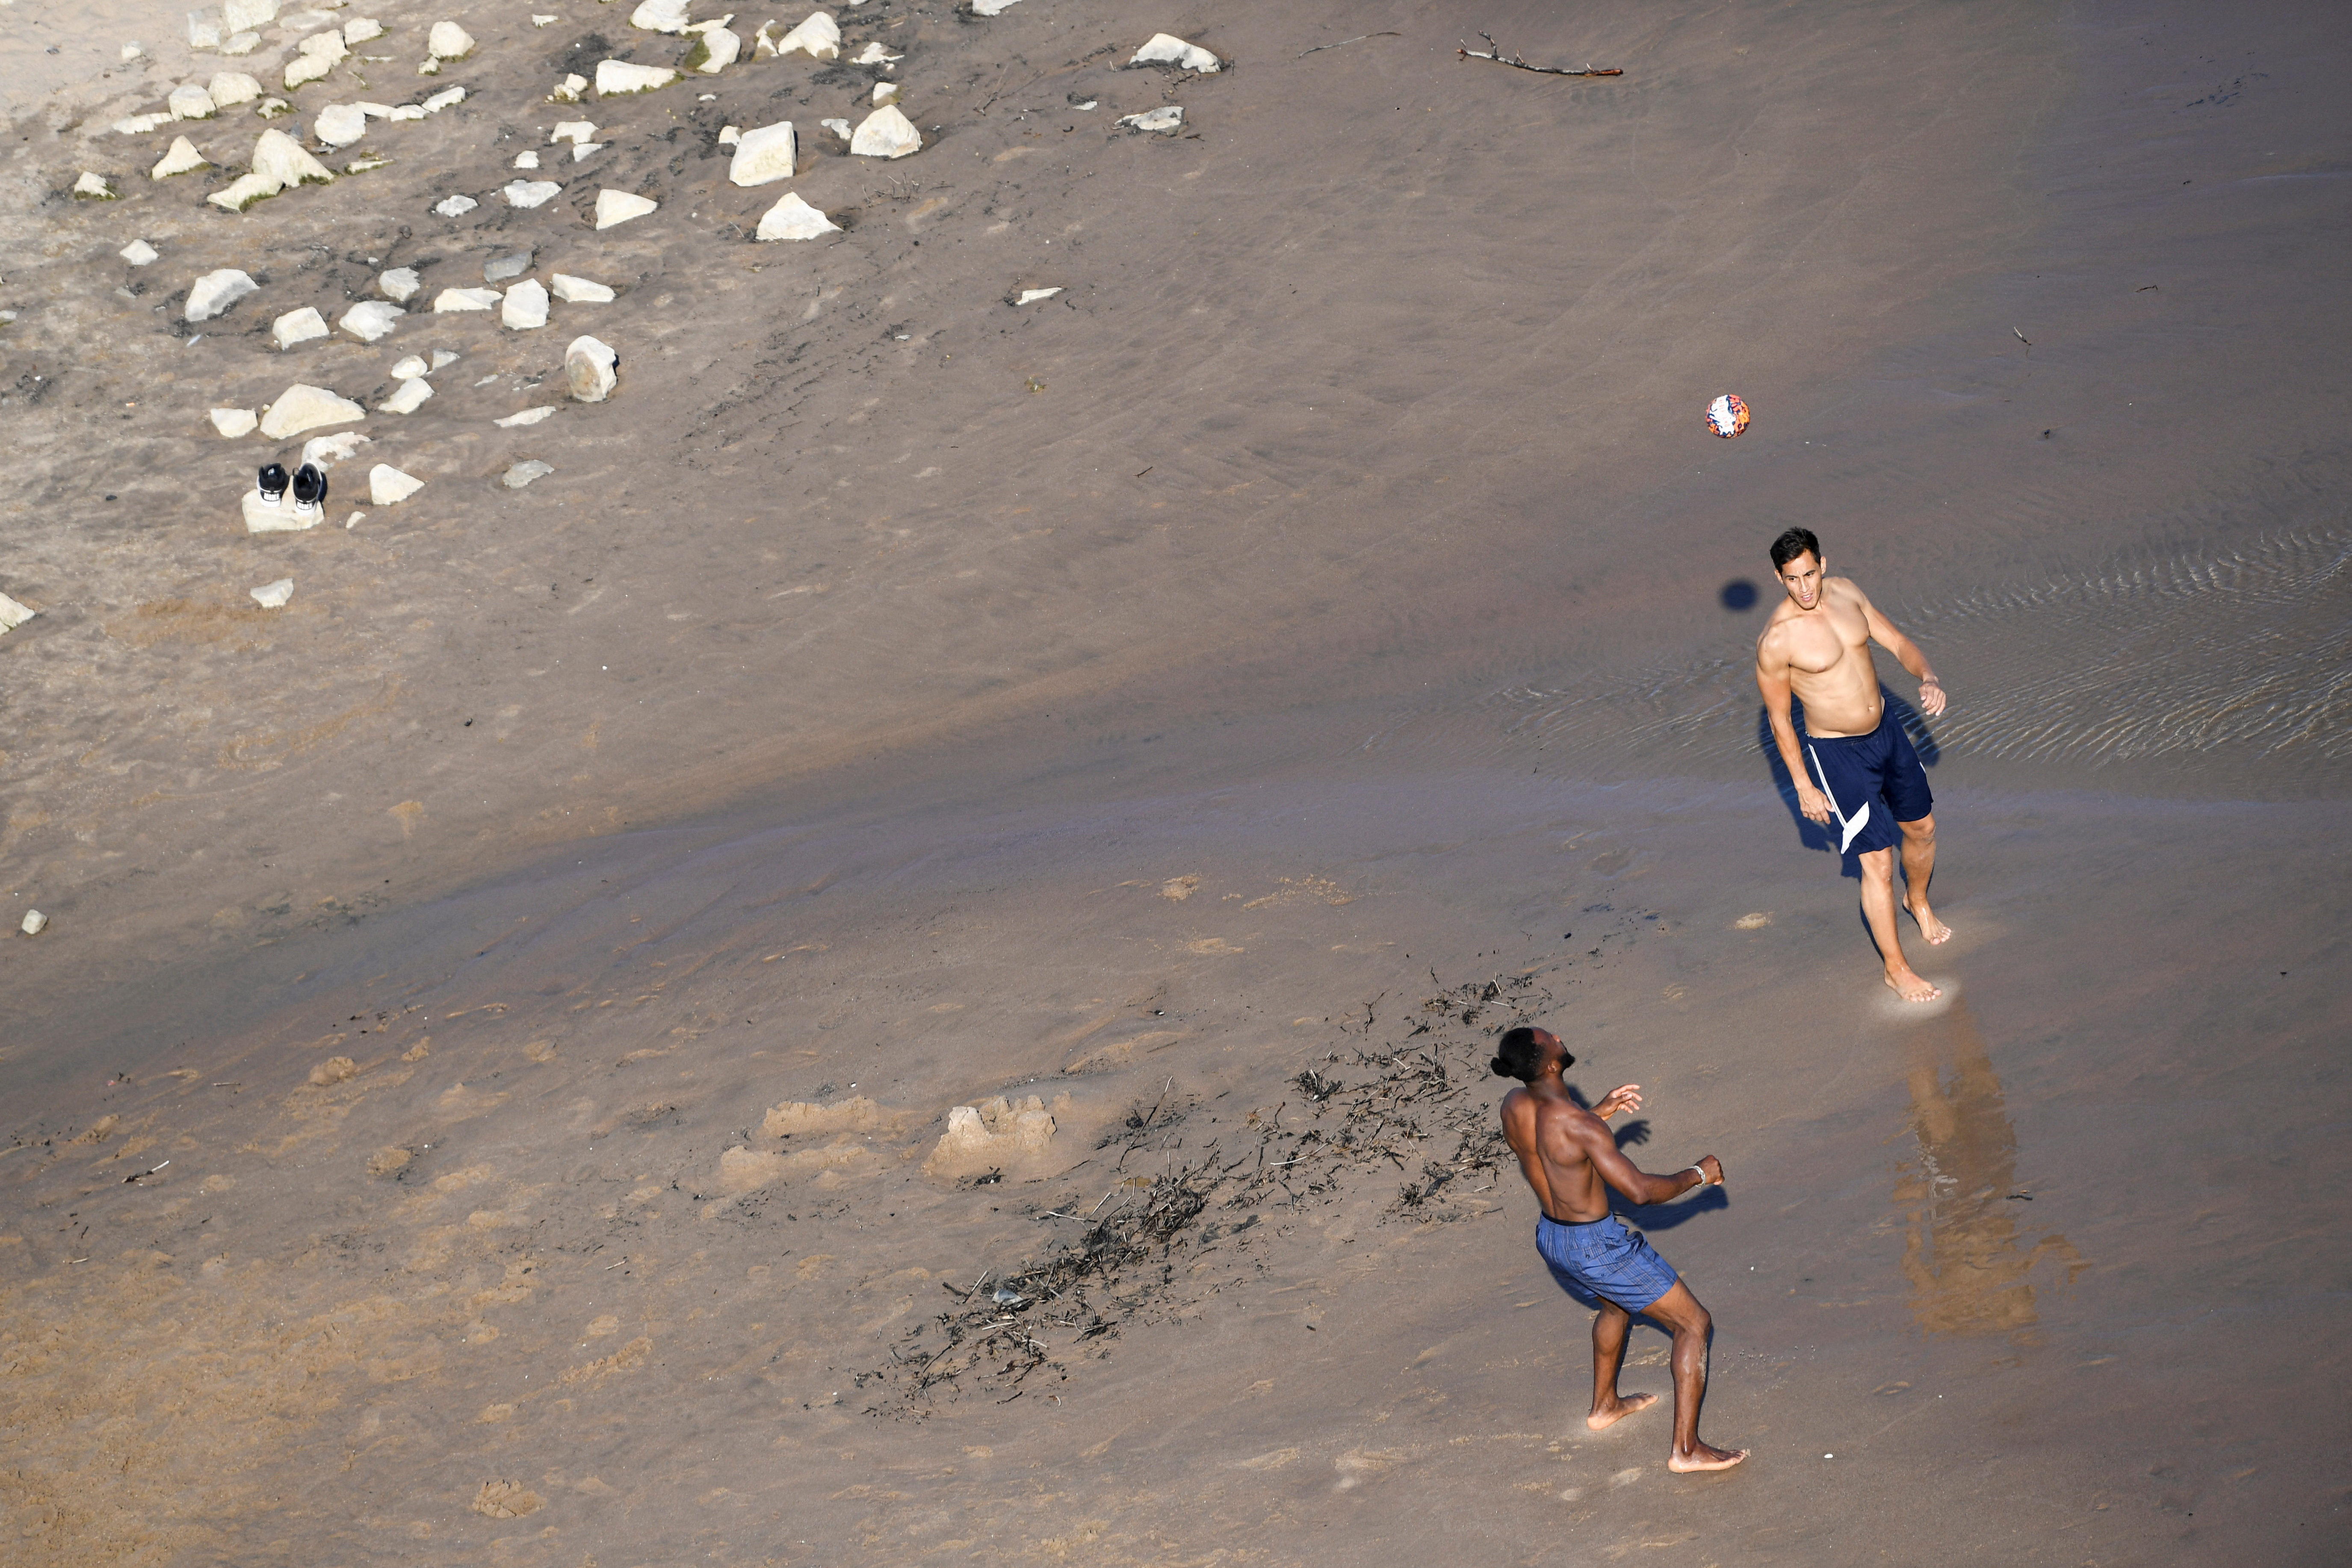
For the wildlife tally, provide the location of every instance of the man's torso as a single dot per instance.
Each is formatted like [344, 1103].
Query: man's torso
[1828, 654]
[1569, 1193]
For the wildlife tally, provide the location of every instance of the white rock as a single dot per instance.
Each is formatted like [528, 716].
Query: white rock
[243, 16]
[729, 135]
[792, 218]
[538, 20]
[261, 517]
[529, 468]
[1166, 119]
[409, 367]
[467, 300]
[580, 150]
[443, 358]
[885, 92]
[182, 158]
[304, 68]
[129, 52]
[240, 43]
[527, 159]
[444, 99]
[189, 101]
[993, 8]
[838, 127]
[661, 15]
[573, 131]
[885, 133]
[374, 111]
[578, 290]
[388, 486]
[513, 264]
[616, 77]
[370, 320]
[216, 292]
[353, 520]
[528, 417]
[449, 41]
[301, 408]
[569, 90]
[280, 157]
[1030, 295]
[35, 922]
[454, 206]
[340, 124]
[14, 614]
[140, 124]
[326, 451]
[273, 596]
[765, 155]
[531, 193]
[407, 397]
[235, 422]
[362, 29]
[819, 37]
[1166, 49]
[400, 284]
[303, 326]
[620, 206]
[874, 55]
[205, 28]
[720, 48]
[591, 368]
[229, 89]
[138, 253]
[244, 191]
[93, 186]
[406, 112]
[525, 306]
[273, 109]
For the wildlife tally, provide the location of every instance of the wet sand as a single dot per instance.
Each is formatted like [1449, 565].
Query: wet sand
[847, 725]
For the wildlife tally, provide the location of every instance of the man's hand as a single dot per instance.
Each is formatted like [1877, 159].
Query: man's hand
[1625, 1097]
[1931, 696]
[1811, 804]
[1713, 1167]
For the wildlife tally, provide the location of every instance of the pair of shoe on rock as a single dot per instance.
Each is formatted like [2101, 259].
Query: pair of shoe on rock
[309, 489]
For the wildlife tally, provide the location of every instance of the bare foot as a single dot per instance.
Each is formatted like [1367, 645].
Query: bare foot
[1601, 1420]
[1910, 987]
[1934, 930]
[1702, 1458]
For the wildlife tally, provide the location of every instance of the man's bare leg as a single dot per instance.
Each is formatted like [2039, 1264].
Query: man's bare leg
[1878, 909]
[1679, 1310]
[1918, 869]
[1609, 1328]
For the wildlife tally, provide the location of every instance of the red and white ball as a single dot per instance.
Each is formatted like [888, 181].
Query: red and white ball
[1727, 417]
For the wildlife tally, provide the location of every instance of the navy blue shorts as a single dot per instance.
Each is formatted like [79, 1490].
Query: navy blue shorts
[1873, 782]
[1603, 1261]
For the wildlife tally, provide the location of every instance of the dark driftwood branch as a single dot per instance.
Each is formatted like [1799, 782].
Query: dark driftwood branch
[1515, 63]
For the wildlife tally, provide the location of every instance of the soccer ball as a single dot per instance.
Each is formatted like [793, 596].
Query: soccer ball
[1727, 417]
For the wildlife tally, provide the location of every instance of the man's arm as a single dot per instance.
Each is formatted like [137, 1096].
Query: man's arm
[1589, 1136]
[1772, 681]
[1906, 653]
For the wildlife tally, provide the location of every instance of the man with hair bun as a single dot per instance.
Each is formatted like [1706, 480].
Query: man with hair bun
[1568, 1157]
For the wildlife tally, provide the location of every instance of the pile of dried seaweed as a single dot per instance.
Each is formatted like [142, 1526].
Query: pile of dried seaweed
[1419, 1108]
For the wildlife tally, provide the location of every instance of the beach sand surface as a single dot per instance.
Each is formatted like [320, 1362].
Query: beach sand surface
[485, 1092]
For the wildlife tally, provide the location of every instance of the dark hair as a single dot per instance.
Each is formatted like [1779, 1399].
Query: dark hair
[1518, 1056]
[1793, 543]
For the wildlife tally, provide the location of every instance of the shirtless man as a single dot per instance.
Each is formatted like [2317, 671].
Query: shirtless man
[1818, 645]
[1567, 1155]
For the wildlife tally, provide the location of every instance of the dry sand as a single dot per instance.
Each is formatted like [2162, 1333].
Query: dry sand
[1213, 700]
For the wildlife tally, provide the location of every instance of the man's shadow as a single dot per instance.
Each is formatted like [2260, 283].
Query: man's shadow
[1813, 835]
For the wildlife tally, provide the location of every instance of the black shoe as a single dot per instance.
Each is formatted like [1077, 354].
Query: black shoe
[309, 490]
[272, 485]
